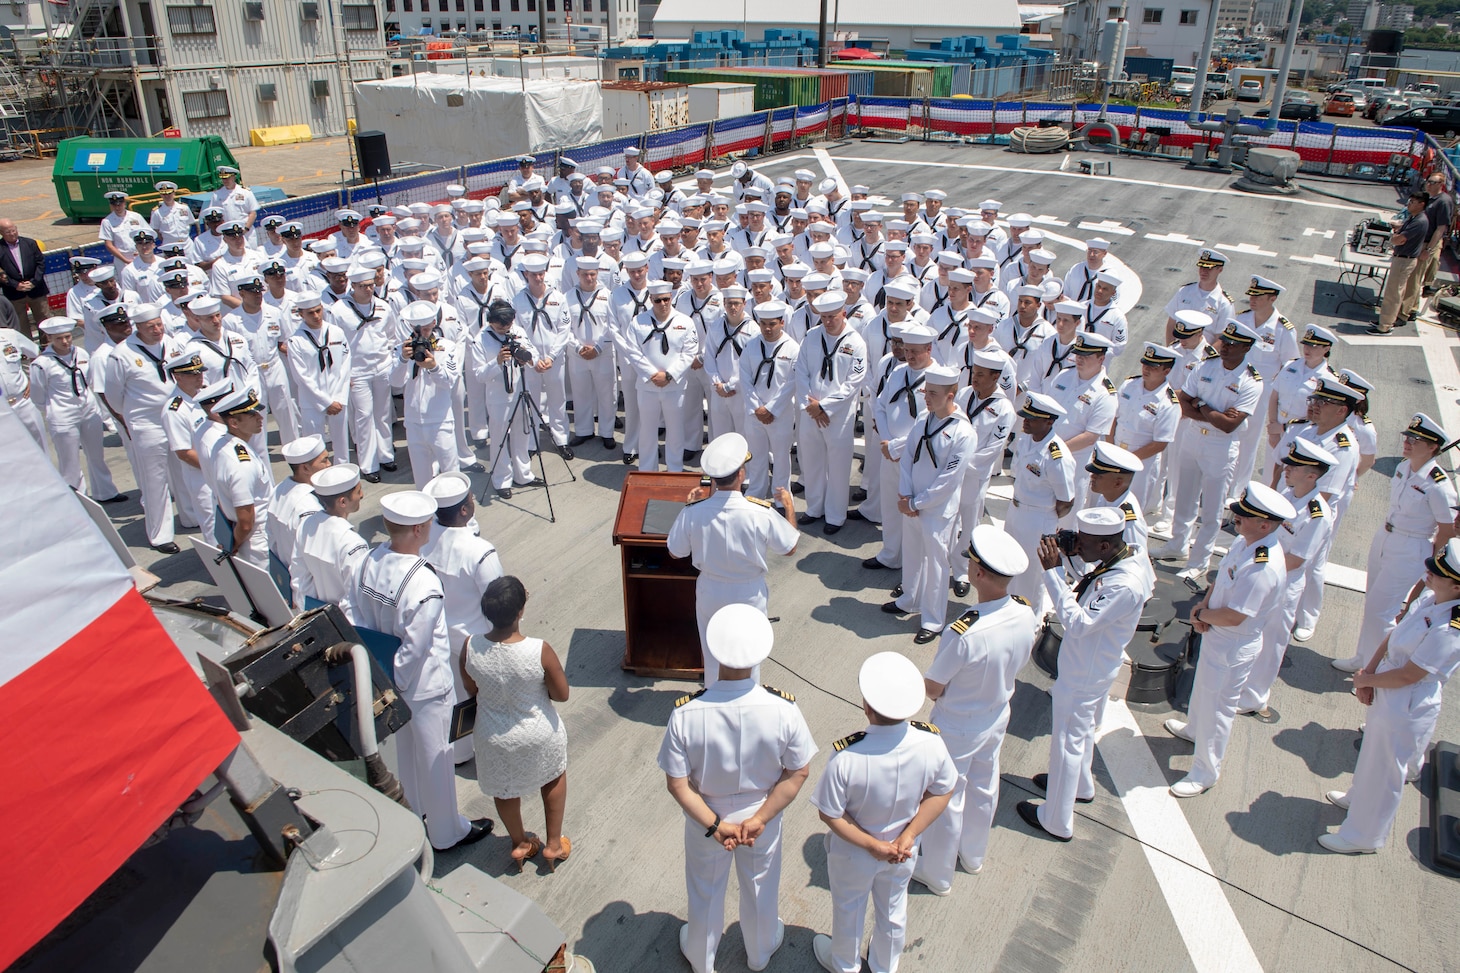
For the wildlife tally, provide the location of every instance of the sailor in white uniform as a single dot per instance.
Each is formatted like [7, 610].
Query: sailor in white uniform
[728, 535]
[1147, 413]
[930, 477]
[400, 595]
[1276, 345]
[1401, 684]
[328, 549]
[882, 788]
[1204, 294]
[735, 755]
[591, 364]
[267, 332]
[1112, 471]
[829, 370]
[319, 359]
[427, 367]
[896, 410]
[659, 345]
[768, 387]
[181, 417]
[971, 682]
[370, 327]
[726, 336]
[465, 563]
[491, 359]
[991, 413]
[1088, 397]
[243, 481]
[15, 383]
[1044, 489]
[1099, 616]
[1251, 581]
[1420, 522]
[59, 386]
[294, 499]
[1103, 316]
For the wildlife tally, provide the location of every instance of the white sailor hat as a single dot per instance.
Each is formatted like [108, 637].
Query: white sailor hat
[734, 292]
[1331, 388]
[477, 206]
[669, 228]
[903, 288]
[362, 275]
[749, 252]
[796, 271]
[976, 226]
[1106, 277]
[504, 219]
[805, 175]
[1190, 322]
[872, 216]
[564, 208]
[1422, 426]
[1261, 500]
[911, 198]
[724, 455]
[1101, 521]
[448, 489]
[1263, 286]
[855, 275]
[1110, 458]
[860, 205]
[635, 260]
[704, 174]
[1037, 405]
[916, 333]
[892, 685]
[326, 245]
[770, 309]
[612, 234]
[815, 282]
[923, 239]
[455, 189]
[990, 204]
[950, 258]
[895, 246]
[522, 205]
[426, 280]
[756, 206]
[714, 226]
[631, 151]
[590, 227]
[207, 304]
[961, 275]
[758, 276]
[1021, 220]
[1158, 355]
[103, 273]
[335, 265]
[239, 402]
[533, 185]
[187, 362]
[414, 263]
[586, 264]
[990, 357]
[219, 391]
[534, 263]
[896, 332]
[820, 229]
[660, 287]
[1317, 336]
[301, 450]
[996, 551]
[982, 263]
[937, 194]
[1238, 333]
[1072, 308]
[859, 188]
[673, 263]
[227, 170]
[982, 316]
[1035, 237]
[372, 258]
[418, 313]
[1211, 258]
[1091, 343]
[1304, 452]
[1051, 289]
[830, 302]
[821, 251]
[186, 300]
[622, 182]
[332, 481]
[1029, 290]
[936, 374]
[407, 508]
[826, 185]
[58, 325]
[699, 268]
[306, 301]
[739, 636]
[1353, 379]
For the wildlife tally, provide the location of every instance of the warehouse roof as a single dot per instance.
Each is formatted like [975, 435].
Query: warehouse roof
[989, 14]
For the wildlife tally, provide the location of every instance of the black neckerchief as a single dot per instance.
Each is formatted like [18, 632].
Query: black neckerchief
[662, 330]
[78, 377]
[956, 320]
[907, 389]
[326, 357]
[828, 356]
[1084, 583]
[927, 437]
[730, 337]
[938, 299]
[1021, 345]
[867, 258]
[886, 374]
[156, 362]
[1056, 360]
[767, 360]
[363, 318]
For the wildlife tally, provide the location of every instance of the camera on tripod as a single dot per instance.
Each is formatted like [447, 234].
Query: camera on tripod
[502, 313]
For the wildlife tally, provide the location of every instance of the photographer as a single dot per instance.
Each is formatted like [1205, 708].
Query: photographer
[498, 357]
[427, 367]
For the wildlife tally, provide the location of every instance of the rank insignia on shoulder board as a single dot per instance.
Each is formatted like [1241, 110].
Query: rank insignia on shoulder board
[685, 699]
[778, 692]
[965, 621]
[241, 451]
[847, 741]
[1260, 555]
[926, 727]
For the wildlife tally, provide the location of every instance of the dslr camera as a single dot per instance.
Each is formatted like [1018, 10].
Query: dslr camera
[420, 348]
[1066, 541]
[503, 314]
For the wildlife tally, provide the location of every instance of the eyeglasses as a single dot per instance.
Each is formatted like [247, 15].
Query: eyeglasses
[663, 300]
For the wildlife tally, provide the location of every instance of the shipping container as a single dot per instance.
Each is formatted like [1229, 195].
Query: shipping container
[771, 90]
[719, 99]
[900, 82]
[941, 73]
[833, 83]
[631, 107]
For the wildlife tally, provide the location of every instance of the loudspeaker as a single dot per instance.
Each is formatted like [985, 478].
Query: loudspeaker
[373, 154]
[1386, 41]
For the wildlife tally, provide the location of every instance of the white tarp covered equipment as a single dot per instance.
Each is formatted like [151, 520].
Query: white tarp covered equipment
[450, 120]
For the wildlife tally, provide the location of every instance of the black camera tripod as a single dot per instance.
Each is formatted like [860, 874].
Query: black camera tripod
[533, 415]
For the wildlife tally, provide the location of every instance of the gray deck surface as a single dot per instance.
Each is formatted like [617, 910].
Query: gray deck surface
[1092, 904]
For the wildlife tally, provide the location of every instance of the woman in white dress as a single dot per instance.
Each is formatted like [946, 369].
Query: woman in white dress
[520, 742]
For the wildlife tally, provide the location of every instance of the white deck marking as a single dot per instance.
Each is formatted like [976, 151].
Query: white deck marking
[1108, 226]
[1438, 346]
[1248, 248]
[1045, 220]
[1204, 918]
[827, 166]
[1310, 231]
[1175, 238]
[1320, 259]
[1377, 341]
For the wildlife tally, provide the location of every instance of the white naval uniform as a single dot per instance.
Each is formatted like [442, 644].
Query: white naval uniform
[1291, 387]
[145, 279]
[590, 328]
[15, 384]
[978, 659]
[1044, 472]
[721, 348]
[400, 595]
[1021, 344]
[930, 474]
[174, 224]
[951, 326]
[732, 742]
[697, 391]
[465, 563]
[727, 536]
[652, 347]
[1099, 617]
[1251, 579]
[265, 332]
[327, 555]
[545, 323]
[1090, 407]
[1143, 417]
[1050, 360]
[505, 387]
[320, 362]
[828, 369]
[137, 386]
[1079, 281]
[180, 418]
[1206, 457]
[372, 333]
[992, 419]
[60, 388]
[1303, 537]
[1420, 500]
[1110, 322]
[471, 308]
[243, 479]
[430, 418]
[292, 502]
[1190, 297]
[1401, 721]
[896, 410]
[877, 777]
[627, 304]
[1338, 487]
[1276, 345]
[768, 381]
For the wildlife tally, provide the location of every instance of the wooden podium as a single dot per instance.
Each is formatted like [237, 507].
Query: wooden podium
[661, 635]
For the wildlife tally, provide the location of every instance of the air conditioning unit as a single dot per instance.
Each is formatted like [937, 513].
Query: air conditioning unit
[253, 11]
[268, 92]
[309, 10]
[319, 89]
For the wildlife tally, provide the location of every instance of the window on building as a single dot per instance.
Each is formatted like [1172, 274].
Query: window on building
[1112, 13]
[568, 5]
[479, 6]
[552, 5]
[461, 6]
[496, 6]
[516, 6]
[358, 16]
[408, 5]
[202, 105]
[1151, 16]
[603, 6]
[1189, 16]
[444, 6]
[531, 6]
[191, 20]
[481, 25]
[390, 6]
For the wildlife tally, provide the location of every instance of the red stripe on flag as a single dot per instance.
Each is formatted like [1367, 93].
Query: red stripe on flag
[102, 740]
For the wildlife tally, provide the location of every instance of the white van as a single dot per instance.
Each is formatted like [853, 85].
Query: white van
[1369, 84]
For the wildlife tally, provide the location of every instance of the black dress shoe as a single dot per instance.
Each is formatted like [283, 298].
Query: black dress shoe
[689, 456]
[805, 519]
[872, 564]
[474, 468]
[1041, 781]
[119, 498]
[388, 467]
[168, 548]
[858, 494]
[578, 440]
[829, 529]
[1029, 811]
[962, 588]
[618, 423]
[536, 481]
[566, 452]
[505, 493]
[480, 828]
[897, 592]
[925, 635]
[630, 459]
[892, 608]
[855, 514]
[370, 477]
[609, 442]
[798, 489]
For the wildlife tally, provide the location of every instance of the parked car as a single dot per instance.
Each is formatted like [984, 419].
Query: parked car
[1435, 120]
[1339, 103]
[1302, 110]
[1379, 99]
[1219, 84]
[1249, 90]
[1182, 86]
[1360, 97]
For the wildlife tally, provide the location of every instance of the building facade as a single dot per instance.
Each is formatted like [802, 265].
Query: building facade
[1156, 28]
[614, 20]
[868, 20]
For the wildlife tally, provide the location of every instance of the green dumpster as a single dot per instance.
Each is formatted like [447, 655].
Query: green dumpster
[87, 169]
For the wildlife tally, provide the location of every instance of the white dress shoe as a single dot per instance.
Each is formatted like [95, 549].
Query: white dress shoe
[684, 944]
[1338, 799]
[1336, 844]
[1197, 573]
[1352, 664]
[780, 938]
[1186, 787]
[1302, 634]
[930, 885]
[821, 946]
[1179, 730]
[964, 865]
[1167, 552]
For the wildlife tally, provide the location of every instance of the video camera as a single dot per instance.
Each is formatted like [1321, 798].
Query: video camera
[504, 314]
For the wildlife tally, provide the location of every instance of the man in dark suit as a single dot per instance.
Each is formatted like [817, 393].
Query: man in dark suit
[23, 277]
